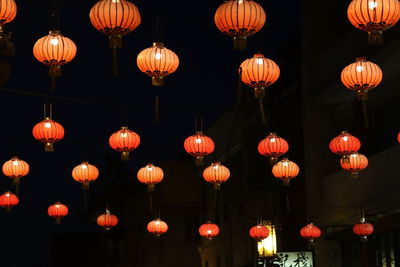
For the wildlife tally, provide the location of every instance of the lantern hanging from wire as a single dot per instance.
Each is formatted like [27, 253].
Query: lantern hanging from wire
[267, 247]
[57, 211]
[15, 168]
[48, 132]
[216, 174]
[259, 232]
[259, 73]
[310, 232]
[107, 220]
[285, 170]
[124, 141]
[398, 137]
[363, 229]
[150, 175]
[355, 163]
[157, 227]
[8, 11]
[272, 147]
[8, 200]
[199, 145]
[361, 77]
[208, 230]
[240, 19]
[374, 16]
[345, 144]
[85, 174]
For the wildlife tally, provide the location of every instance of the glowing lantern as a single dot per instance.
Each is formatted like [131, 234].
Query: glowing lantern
[285, 170]
[107, 220]
[268, 246]
[8, 200]
[115, 18]
[259, 232]
[124, 141]
[48, 132]
[345, 144]
[310, 232]
[85, 173]
[157, 227]
[355, 163]
[57, 211]
[240, 19]
[363, 229]
[8, 11]
[216, 174]
[209, 230]
[199, 145]
[157, 62]
[361, 77]
[273, 146]
[150, 175]
[398, 137]
[374, 16]
[259, 72]
[15, 168]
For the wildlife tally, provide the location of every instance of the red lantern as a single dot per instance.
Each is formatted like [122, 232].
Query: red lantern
[398, 137]
[85, 173]
[8, 200]
[310, 232]
[259, 72]
[199, 145]
[285, 170]
[363, 229]
[124, 141]
[48, 132]
[355, 163]
[240, 19]
[259, 232]
[150, 175]
[15, 169]
[216, 174]
[345, 144]
[57, 211]
[273, 146]
[209, 230]
[157, 227]
[8, 11]
[107, 220]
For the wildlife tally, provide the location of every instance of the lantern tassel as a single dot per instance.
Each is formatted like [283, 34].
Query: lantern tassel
[57, 220]
[217, 187]
[151, 202]
[240, 43]
[115, 62]
[157, 81]
[198, 161]
[124, 156]
[375, 37]
[273, 161]
[354, 175]
[54, 73]
[365, 114]
[157, 109]
[85, 186]
[262, 111]
[48, 147]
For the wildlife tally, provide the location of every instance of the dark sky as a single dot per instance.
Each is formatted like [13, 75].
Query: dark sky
[204, 84]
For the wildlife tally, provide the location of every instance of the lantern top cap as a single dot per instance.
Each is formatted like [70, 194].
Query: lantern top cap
[47, 118]
[258, 55]
[216, 163]
[208, 222]
[361, 59]
[344, 132]
[200, 132]
[158, 44]
[54, 32]
[124, 128]
[285, 159]
[15, 158]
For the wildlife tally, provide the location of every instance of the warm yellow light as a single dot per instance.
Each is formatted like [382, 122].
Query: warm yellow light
[268, 246]
[359, 68]
[272, 140]
[158, 56]
[47, 124]
[372, 4]
[54, 41]
[198, 140]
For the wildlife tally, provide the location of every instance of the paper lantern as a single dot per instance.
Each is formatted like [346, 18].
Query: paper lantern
[150, 175]
[310, 232]
[57, 211]
[259, 232]
[363, 229]
[345, 144]
[8, 11]
[124, 141]
[15, 168]
[209, 230]
[8, 200]
[107, 220]
[216, 174]
[285, 170]
[355, 163]
[48, 132]
[85, 173]
[199, 145]
[157, 227]
[240, 19]
[272, 147]
[398, 137]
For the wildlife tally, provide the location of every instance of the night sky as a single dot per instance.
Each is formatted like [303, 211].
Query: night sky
[91, 105]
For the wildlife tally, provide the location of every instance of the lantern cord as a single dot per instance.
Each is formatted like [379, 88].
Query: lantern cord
[151, 202]
[54, 19]
[85, 200]
[53, 83]
[201, 123]
[195, 124]
[239, 85]
[215, 205]
[262, 111]
[365, 114]
[157, 109]
[115, 62]
[17, 190]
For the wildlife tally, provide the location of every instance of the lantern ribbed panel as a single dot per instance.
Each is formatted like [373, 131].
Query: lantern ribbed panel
[150, 175]
[115, 17]
[356, 162]
[259, 71]
[48, 131]
[398, 137]
[240, 18]
[54, 49]
[310, 232]
[373, 15]
[259, 232]
[85, 173]
[8, 200]
[8, 11]
[199, 145]
[361, 75]
[107, 220]
[124, 140]
[157, 61]
[285, 169]
[273, 146]
[157, 227]
[15, 168]
[216, 173]
[363, 229]
[209, 230]
[57, 210]
[345, 144]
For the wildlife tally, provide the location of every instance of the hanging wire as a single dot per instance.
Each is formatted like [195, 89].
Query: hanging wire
[54, 16]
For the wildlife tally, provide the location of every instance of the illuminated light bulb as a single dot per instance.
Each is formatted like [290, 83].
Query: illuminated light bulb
[54, 41]
[240, 1]
[158, 56]
[47, 125]
[359, 68]
[8, 195]
[285, 163]
[209, 231]
[84, 166]
[57, 206]
[272, 140]
[149, 168]
[15, 163]
[345, 138]
[124, 135]
[260, 61]
[198, 140]
[157, 222]
[372, 4]
[116, 1]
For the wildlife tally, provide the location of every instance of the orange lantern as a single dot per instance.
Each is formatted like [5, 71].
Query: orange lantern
[240, 19]
[345, 144]
[115, 18]
[361, 77]
[259, 232]
[85, 173]
[150, 175]
[8, 200]
[355, 163]
[48, 132]
[285, 170]
[157, 62]
[374, 16]
[107, 220]
[216, 174]
[259, 72]
[57, 211]
[199, 145]
[209, 230]
[15, 168]
[124, 141]
[8, 11]
[273, 146]
[157, 227]
[398, 137]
